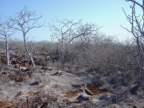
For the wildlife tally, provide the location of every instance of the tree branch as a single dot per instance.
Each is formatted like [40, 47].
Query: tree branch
[133, 1]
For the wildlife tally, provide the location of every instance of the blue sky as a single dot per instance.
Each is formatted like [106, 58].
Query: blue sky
[106, 13]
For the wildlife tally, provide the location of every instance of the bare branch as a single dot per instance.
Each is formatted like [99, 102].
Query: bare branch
[137, 30]
[133, 1]
[24, 22]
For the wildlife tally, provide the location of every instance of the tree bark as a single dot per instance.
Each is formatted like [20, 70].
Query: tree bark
[7, 51]
[28, 52]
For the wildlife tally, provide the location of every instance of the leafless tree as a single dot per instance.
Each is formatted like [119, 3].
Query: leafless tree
[136, 20]
[5, 32]
[24, 22]
[66, 31]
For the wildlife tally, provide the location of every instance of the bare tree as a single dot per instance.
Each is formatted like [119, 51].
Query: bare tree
[136, 20]
[5, 32]
[66, 31]
[24, 22]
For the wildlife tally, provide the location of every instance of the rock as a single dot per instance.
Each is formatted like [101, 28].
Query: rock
[57, 73]
[19, 94]
[104, 97]
[108, 97]
[76, 85]
[114, 106]
[134, 89]
[35, 83]
[135, 106]
[81, 98]
[23, 68]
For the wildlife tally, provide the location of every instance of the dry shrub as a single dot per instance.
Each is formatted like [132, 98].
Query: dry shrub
[104, 56]
[101, 53]
[40, 100]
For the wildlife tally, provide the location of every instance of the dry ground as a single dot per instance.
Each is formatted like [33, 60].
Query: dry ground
[44, 88]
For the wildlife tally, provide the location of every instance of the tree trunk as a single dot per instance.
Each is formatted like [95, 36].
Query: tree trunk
[63, 53]
[7, 51]
[27, 51]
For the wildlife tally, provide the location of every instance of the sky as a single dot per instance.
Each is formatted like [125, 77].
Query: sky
[105, 13]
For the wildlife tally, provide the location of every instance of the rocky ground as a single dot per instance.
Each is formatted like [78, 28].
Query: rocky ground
[48, 87]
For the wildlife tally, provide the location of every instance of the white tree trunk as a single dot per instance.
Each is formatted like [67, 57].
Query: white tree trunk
[28, 52]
